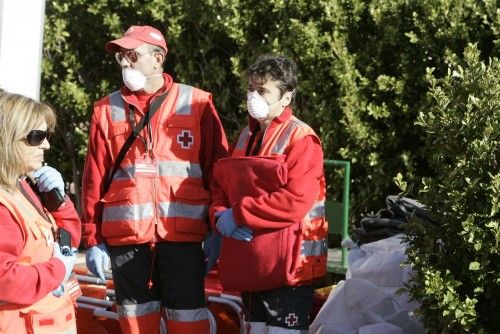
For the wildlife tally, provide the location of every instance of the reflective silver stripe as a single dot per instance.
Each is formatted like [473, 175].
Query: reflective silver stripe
[165, 168]
[184, 100]
[284, 139]
[318, 210]
[187, 315]
[179, 168]
[117, 107]
[137, 310]
[124, 173]
[69, 331]
[243, 137]
[145, 211]
[279, 330]
[314, 247]
[127, 212]
[173, 209]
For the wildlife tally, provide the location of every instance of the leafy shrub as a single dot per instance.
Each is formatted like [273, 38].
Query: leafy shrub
[457, 264]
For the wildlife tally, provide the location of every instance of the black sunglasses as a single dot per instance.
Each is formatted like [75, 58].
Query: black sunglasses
[36, 137]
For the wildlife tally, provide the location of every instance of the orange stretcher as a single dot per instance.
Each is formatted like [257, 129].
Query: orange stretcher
[96, 310]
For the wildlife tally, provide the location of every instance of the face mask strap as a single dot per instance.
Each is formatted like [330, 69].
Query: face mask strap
[154, 75]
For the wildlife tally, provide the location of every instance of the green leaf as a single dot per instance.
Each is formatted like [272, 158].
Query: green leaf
[474, 266]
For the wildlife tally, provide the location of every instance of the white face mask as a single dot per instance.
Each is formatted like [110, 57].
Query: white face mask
[134, 79]
[257, 106]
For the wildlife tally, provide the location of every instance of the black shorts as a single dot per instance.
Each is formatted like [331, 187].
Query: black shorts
[286, 307]
[176, 270]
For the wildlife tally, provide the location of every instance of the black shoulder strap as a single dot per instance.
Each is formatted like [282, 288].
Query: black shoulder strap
[40, 210]
[130, 140]
[254, 134]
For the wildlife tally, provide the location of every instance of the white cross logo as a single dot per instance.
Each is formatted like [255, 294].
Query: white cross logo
[291, 319]
[185, 139]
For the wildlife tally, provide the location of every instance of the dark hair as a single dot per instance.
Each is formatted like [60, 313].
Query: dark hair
[277, 68]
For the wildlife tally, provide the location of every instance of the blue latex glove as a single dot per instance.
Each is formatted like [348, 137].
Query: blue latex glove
[211, 248]
[68, 260]
[97, 259]
[242, 233]
[49, 178]
[226, 223]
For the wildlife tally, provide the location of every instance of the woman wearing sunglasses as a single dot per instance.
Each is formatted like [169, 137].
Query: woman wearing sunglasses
[33, 270]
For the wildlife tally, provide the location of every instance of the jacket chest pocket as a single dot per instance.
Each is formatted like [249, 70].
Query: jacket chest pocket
[183, 134]
[117, 135]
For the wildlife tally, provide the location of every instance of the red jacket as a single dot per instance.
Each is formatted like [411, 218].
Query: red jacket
[279, 194]
[41, 278]
[107, 134]
[305, 165]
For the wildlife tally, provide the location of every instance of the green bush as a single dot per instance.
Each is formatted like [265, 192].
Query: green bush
[457, 264]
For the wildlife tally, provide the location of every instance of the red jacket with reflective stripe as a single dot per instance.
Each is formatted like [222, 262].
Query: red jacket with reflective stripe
[170, 206]
[281, 198]
[49, 313]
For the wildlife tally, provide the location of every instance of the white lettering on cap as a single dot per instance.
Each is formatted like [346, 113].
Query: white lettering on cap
[156, 36]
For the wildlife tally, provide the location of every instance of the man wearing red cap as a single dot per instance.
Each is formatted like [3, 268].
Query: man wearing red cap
[145, 198]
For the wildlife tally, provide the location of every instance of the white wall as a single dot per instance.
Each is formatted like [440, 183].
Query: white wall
[21, 40]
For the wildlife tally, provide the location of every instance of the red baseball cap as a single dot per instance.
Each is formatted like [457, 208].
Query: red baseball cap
[135, 36]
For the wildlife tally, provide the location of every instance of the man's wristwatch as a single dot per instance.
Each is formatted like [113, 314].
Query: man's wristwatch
[59, 291]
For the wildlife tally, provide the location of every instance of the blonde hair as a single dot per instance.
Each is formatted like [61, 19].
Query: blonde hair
[18, 116]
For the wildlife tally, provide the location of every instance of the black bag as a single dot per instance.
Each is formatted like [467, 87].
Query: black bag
[391, 220]
[406, 208]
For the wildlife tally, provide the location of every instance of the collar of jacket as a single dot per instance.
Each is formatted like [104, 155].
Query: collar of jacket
[131, 98]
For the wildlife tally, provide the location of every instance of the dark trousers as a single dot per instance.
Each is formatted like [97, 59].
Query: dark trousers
[171, 272]
[286, 307]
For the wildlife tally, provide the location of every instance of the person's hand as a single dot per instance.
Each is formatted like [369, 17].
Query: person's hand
[97, 259]
[211, 248]
[242, 233]
[67, 260]
[49, 178]
[226, 223]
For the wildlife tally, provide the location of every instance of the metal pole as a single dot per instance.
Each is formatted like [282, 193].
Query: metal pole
[346, 165]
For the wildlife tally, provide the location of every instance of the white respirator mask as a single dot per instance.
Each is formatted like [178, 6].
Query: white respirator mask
[134, 79]
[257, 106]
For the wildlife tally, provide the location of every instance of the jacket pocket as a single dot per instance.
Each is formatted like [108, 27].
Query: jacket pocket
[258, 265]
[55, 322]
[121, 213]
[190, 208]
[118, 134]
[180, 121]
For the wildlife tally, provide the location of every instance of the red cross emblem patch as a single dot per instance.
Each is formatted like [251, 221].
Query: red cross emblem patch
[185, 139]
[291, 319]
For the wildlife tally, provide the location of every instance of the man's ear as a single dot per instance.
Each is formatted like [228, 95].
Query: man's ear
[160, 58]
[286, 99]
